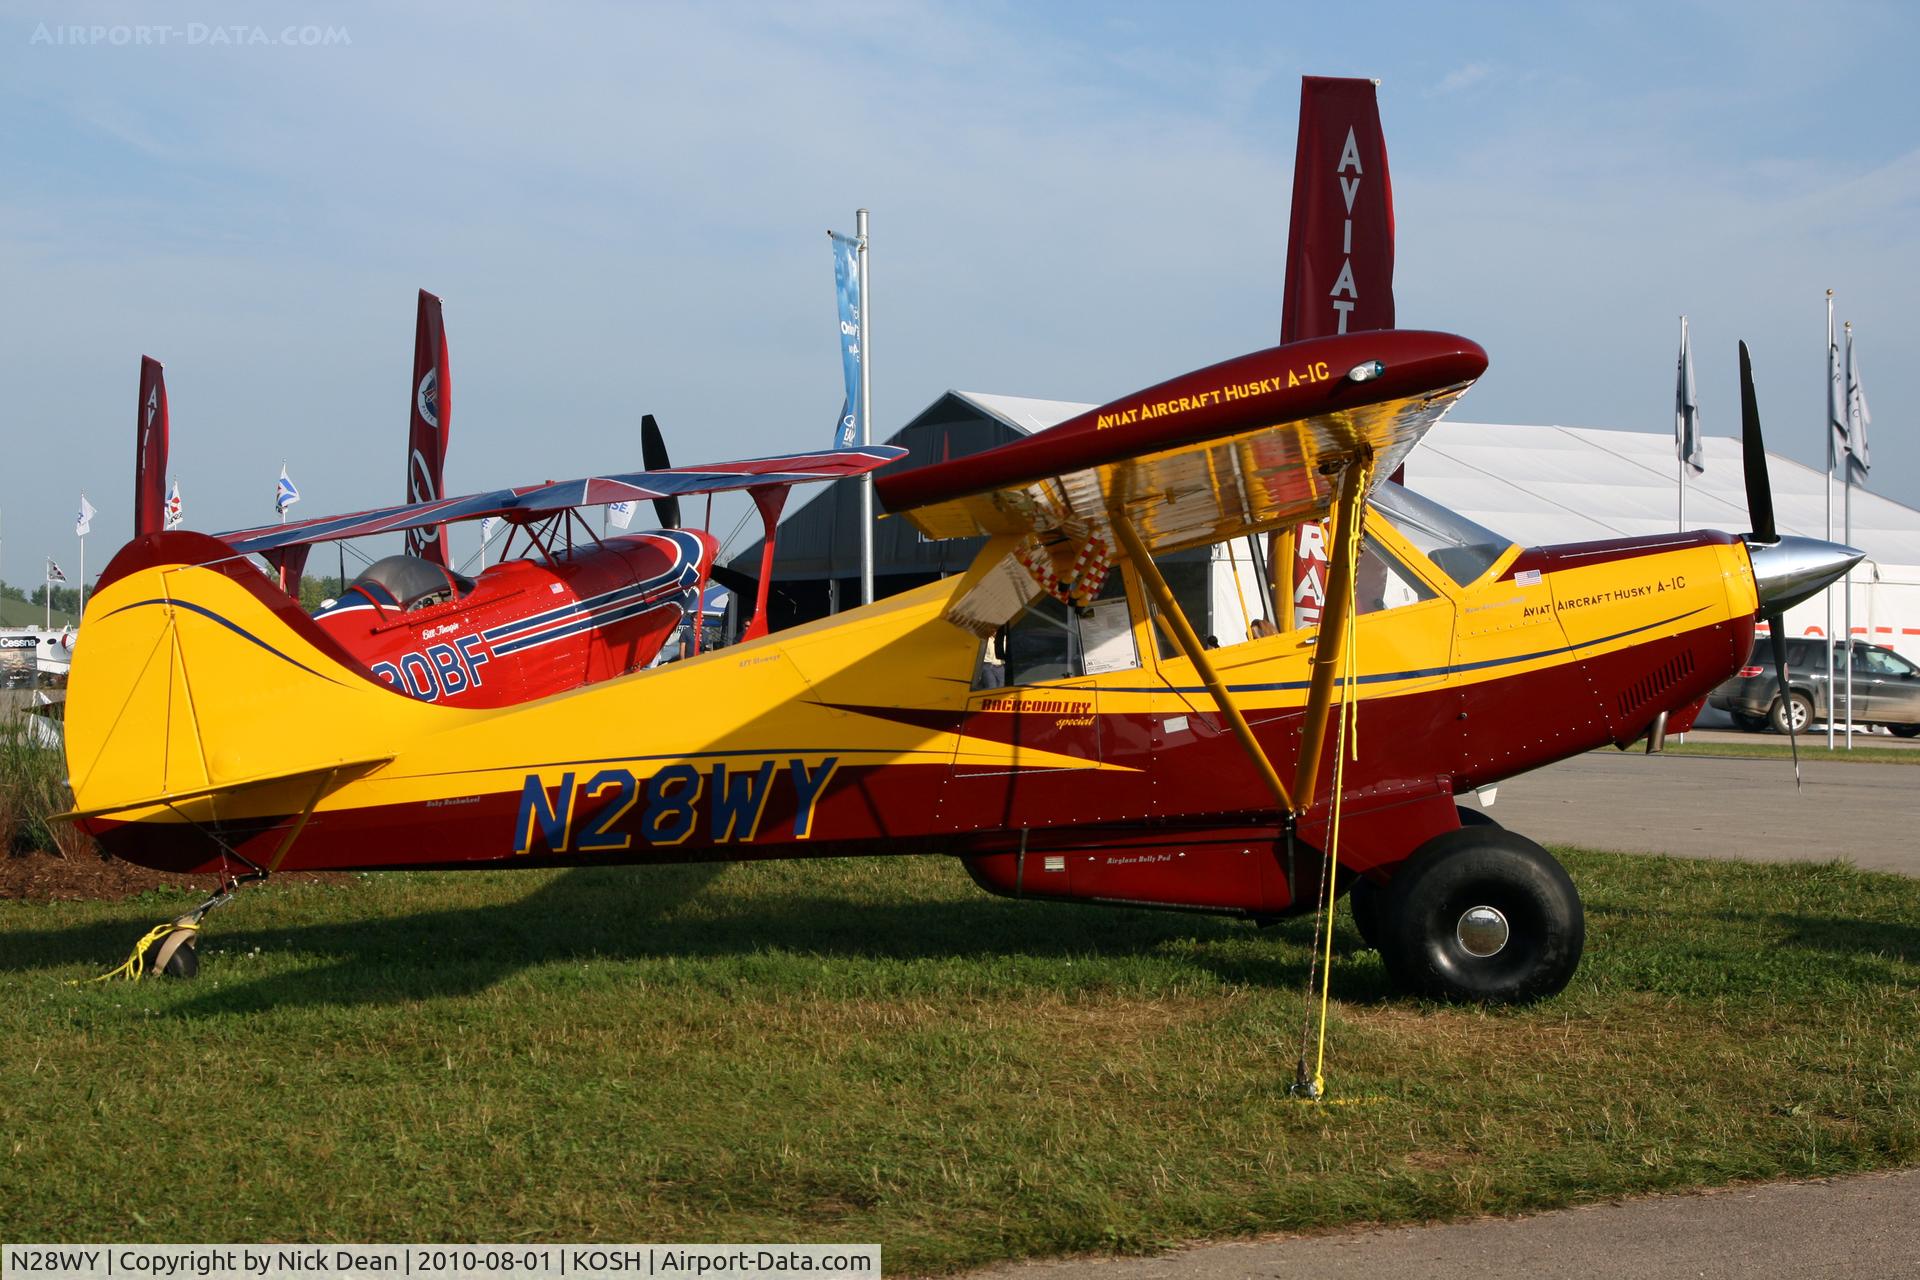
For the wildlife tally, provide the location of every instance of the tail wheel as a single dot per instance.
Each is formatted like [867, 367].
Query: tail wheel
[1482, 914]
[1792, 715]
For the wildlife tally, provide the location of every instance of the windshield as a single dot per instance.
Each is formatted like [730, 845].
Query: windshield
[1459, 547]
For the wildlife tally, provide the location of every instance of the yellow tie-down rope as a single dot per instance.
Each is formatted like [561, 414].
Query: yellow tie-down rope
[135, 965]
[1346, 739]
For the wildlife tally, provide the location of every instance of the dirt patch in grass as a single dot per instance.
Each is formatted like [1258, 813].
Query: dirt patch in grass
[84, 877]
[87, 876]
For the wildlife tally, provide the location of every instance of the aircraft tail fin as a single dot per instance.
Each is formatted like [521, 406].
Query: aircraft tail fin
[191, 650]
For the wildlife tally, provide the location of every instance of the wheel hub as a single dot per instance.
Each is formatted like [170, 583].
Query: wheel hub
[1482, 931]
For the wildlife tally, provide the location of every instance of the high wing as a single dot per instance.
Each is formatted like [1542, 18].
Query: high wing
[1251, 444]
[531, 501]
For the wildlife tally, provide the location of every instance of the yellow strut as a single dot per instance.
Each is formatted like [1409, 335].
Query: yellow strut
[1175, 620]
[1329, 646]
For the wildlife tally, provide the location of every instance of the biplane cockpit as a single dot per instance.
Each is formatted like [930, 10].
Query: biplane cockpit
[403, 584]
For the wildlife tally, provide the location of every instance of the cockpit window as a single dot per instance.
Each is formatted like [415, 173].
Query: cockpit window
[1461, 549]
[1051, 640]
[408, 583]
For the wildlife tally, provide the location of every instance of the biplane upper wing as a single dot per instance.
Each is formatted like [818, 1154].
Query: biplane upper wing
[1250, 444]
[534, 500]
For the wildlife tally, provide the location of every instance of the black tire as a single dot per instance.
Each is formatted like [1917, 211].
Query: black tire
[1427, 904]
[184, 960]
[1799, 706]
[1904, 730]
[1363, 899]
[1752, 724]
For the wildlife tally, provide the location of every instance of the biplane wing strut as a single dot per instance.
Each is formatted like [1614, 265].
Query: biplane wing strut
[1174, 619]
[1328, 647]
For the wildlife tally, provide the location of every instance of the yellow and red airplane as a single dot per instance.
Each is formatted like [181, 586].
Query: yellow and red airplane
[1049, 716]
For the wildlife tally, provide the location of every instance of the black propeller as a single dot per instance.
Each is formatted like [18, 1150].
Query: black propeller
[1753, 453]
[653, 456]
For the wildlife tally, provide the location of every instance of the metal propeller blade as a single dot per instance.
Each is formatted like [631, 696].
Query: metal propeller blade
[653, 456]
[1753, 457]
[1777, 632]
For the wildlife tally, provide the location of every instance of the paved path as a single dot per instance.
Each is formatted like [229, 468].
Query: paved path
[1710, 807]
[1865, 1228]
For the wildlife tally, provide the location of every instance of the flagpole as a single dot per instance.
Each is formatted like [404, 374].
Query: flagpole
[1846, 580]
[866, 411]
[1829, 591]
[47, 576]
[1682, 526]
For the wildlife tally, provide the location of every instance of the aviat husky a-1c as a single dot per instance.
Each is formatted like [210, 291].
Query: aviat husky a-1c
[1049, 716]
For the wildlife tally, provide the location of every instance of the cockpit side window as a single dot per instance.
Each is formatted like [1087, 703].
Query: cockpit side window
[1457, 546]
[1053, 640]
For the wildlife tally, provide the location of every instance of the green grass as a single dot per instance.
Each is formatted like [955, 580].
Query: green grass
[33, 787]
[874, 1050]
[1812, 747]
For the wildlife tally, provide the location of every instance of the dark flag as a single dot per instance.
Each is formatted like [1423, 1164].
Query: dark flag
[431, 416]
[150, 450]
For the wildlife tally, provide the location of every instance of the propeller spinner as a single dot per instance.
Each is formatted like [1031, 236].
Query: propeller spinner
[1785, 570]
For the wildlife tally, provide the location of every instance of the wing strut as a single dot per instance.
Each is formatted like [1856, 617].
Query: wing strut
[1329, 645]
[1175, 621]
[769, 498]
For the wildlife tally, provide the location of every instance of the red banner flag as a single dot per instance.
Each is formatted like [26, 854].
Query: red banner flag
[1339, 257]
[1340, 242]
[150, 450]
[431, 417]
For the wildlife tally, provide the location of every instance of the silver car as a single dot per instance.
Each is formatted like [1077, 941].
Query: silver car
[1886, 688]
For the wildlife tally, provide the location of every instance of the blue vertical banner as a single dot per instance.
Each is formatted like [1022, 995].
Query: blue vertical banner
[846, 282]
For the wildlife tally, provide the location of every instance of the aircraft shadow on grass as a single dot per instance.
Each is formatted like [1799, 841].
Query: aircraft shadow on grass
[627, 913]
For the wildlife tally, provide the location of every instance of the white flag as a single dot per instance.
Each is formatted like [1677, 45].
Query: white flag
[487, 526]
[83, 522]
[619, 514]
[54, 574]
[1857, 418]
[176, 513]
[285, 494]
[1686, 410]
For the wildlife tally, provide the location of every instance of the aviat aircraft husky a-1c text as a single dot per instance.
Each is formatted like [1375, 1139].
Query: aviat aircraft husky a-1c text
[1049, 716]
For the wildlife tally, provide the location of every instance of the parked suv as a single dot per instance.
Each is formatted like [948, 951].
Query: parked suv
[1886, 688]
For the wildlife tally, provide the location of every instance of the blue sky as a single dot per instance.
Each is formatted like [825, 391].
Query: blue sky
[624, 207]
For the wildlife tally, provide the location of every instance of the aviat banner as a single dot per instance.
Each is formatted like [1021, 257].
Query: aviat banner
[431, 421]
[150, 450]
[1340, 241]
